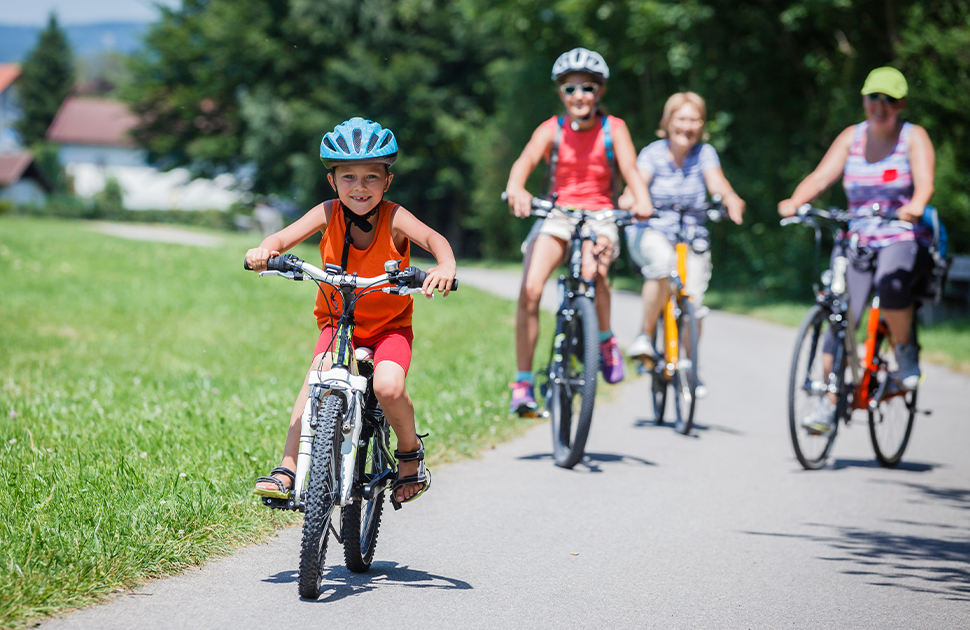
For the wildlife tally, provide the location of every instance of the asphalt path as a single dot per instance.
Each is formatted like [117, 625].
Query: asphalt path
[720, 529]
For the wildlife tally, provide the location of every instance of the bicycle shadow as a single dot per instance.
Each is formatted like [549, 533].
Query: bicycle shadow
[340, 583]
[591, 461]
[650, 423]
[842, 464]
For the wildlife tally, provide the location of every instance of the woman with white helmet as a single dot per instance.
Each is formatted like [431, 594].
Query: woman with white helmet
[578, 146]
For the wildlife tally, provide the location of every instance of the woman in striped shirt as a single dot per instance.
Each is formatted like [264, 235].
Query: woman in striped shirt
[679, 169]
[886, 166]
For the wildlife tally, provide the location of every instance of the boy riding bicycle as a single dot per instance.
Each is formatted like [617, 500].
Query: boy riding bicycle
[361, 231]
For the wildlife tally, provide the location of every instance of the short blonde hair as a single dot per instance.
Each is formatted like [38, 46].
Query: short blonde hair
[675, 102]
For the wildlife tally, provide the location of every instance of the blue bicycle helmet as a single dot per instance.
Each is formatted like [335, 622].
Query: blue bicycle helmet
[358, 141]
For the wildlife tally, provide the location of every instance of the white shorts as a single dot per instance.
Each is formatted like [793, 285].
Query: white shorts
[560, 226]
[657, 258]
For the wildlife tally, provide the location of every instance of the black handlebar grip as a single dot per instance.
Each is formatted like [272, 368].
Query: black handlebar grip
[416, 279]
[246, 265]
[276, 263]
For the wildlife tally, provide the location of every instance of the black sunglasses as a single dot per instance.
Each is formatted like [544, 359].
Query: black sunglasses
[587, 88]
[885, 98]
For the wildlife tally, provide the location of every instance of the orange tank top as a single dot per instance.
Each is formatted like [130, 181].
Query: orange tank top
[377, 312]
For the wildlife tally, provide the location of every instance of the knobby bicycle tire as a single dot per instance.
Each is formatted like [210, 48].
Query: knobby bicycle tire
[806, 386]
[362, 518]
[323, 488]
[572, 381]
[684, 381]
[891, 422]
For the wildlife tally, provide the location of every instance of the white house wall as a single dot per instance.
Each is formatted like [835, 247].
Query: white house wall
[101, 155]
[144, 188]
[25, 192]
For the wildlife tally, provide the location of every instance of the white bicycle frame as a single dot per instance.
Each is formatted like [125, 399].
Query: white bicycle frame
[336, 381]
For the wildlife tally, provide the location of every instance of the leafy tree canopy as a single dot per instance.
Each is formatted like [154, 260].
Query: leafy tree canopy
[46, 78]
[463, 83]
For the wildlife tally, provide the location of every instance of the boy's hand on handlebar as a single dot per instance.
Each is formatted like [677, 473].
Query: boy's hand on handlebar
[520, 203]
[256, 258]
[439, 277]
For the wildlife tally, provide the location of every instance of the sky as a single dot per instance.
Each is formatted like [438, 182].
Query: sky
[70, 12]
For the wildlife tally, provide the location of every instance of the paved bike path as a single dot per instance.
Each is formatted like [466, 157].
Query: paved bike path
[653, 529]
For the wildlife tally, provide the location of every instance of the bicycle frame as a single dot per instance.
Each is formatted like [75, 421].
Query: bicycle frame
[834, 297]
[342, 379]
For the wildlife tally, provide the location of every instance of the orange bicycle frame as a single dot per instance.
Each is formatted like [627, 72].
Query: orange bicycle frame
[672, 345]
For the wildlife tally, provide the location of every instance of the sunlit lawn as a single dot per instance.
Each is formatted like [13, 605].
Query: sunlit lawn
[144, 386]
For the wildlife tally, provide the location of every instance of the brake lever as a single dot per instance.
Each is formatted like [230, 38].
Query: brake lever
[289, 275]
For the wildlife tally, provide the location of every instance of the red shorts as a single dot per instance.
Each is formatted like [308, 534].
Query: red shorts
[390, 345]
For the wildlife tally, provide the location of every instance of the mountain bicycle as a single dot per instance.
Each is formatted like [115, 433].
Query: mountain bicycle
[569, 379]
[674, 368]
[857, 382]
[344, 461]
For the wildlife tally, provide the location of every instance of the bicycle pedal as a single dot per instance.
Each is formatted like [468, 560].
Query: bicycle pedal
[284, 504]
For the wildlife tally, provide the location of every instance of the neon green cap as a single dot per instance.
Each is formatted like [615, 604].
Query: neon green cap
[886, 80]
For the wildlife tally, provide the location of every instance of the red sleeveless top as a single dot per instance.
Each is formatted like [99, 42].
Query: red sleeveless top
[377, 312]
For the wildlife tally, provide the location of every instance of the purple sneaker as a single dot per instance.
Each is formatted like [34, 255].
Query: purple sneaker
[523, 400]
[612, 361]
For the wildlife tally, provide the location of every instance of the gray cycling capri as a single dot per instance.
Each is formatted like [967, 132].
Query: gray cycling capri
[897, 272]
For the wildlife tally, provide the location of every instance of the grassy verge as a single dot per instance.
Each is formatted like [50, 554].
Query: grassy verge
[143, 386]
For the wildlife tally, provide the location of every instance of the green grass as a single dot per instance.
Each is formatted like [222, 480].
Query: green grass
[143, 387]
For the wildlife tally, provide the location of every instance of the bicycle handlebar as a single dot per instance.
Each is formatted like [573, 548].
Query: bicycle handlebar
[542, 208]
[291, 267]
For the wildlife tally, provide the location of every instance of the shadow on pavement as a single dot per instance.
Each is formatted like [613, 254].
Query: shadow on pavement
[591, 461]
[650, 423]
[340, 582]
[841, 464]
[935, 559]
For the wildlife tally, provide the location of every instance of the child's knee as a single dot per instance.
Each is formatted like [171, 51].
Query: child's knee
[389, 383]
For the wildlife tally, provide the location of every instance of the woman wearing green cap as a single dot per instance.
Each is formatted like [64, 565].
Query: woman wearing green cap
[886, 166]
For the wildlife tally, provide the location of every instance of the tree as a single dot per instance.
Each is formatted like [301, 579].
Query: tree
[46, 78]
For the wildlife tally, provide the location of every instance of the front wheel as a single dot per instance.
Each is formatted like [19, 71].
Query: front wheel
[323, 488]
[362, 518]
[572, 381]
[891, 419]
[807, 385]
[684, 382]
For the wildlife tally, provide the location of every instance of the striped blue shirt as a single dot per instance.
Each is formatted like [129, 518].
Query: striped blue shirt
[672, 185]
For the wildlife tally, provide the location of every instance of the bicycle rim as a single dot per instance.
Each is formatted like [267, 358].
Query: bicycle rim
[891, 422]
[323, 490]
[684, 383]
[806, 386]
[572, 383]
[361, 520]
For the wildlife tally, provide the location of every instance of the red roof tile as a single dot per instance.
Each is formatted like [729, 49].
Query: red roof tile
[93, 121]
[12, 166]
[8, 74]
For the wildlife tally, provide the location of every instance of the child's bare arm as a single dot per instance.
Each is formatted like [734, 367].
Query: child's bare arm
[290, 236]
[440, 276]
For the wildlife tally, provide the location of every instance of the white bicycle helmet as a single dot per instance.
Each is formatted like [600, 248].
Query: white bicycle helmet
[580, 60]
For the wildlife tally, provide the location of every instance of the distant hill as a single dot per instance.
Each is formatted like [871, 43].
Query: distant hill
[87, 40]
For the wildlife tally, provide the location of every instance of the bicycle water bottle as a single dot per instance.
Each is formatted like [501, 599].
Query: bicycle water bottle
[839, 265]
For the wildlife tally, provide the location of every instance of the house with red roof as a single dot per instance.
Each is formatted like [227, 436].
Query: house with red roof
[9, 112]
[21, 182]
[94, 136]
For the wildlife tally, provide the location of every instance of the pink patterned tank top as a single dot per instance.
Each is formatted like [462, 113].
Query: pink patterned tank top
[888, 183]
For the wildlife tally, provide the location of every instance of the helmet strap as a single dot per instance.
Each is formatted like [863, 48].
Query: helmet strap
[360, 221]
[576, 122]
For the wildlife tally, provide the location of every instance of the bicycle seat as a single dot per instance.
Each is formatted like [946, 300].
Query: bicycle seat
[364, 354]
